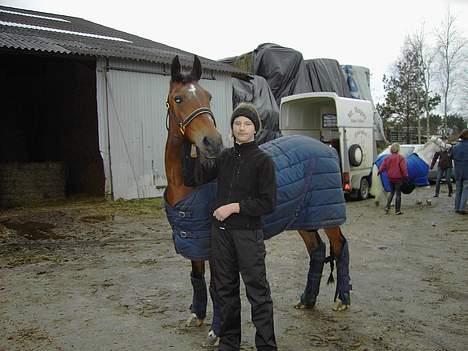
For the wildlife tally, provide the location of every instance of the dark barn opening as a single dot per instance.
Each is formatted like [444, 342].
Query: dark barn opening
[48, 128]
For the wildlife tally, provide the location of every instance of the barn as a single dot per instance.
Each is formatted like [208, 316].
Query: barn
[83, 108]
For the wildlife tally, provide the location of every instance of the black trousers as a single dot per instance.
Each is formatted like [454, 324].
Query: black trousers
[234, 252]
[396, 189]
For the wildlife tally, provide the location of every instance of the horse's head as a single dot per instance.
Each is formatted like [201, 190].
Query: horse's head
[189, 110]
[433, 145]
[439, 144]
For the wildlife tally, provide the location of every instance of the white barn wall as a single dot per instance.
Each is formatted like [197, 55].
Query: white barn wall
[132, 124]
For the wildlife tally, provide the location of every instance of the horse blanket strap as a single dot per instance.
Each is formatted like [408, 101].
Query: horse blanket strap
[309, 190]
[418, 171]
[309, 196]
[190, 220]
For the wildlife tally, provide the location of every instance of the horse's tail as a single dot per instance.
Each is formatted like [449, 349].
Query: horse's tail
[376, 189]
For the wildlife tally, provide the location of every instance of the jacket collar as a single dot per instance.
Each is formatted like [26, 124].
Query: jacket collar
[245, 146]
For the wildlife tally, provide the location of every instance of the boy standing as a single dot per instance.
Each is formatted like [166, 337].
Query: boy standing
[246, 191]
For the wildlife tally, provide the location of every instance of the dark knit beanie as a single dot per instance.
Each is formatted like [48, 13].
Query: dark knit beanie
[247, 110]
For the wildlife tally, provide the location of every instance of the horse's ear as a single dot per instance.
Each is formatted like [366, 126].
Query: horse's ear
[175, 68]
[197, 68]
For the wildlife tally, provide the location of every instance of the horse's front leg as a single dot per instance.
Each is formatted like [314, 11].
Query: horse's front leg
[340, 251]
[316, 249]
[200, 297]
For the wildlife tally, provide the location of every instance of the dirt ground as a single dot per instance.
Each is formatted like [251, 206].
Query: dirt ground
[93, 275]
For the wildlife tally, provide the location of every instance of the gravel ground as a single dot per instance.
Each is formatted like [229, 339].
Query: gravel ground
[93, 275]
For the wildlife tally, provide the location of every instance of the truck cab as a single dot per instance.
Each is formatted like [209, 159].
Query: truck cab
[344, 124]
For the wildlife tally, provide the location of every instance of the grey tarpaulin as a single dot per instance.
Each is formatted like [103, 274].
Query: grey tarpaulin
[358, 79]
[283, 69]
[257, 92]
[326, 75]
[287, 73]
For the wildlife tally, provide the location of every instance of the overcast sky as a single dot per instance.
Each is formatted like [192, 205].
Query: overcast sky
[360, 32]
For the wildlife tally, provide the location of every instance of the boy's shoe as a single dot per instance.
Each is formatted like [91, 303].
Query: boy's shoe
[436, 195]
[450, 195]
[399, 213]
[386, 210]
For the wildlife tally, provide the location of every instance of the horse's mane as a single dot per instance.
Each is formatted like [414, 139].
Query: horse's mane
[184, 78]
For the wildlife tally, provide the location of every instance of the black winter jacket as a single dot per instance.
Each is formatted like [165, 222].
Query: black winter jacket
[444, 157]
[245, 174]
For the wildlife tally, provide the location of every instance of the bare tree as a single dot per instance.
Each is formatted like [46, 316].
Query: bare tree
[450, 46]
[464, 88]
[427, 54]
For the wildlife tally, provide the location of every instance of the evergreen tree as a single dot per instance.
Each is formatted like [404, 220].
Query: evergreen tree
[405, 92]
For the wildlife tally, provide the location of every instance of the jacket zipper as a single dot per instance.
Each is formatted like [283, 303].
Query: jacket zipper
[236, 172]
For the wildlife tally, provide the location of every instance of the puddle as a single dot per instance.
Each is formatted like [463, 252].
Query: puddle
[33, 230]
[97, 218]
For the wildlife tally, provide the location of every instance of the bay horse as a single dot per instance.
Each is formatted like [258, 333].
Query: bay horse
[191, 124]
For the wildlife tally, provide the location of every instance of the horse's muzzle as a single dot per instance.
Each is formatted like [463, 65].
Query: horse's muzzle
[212, 147]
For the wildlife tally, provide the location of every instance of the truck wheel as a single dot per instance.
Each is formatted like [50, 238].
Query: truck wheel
[363, 192]
[355, 155]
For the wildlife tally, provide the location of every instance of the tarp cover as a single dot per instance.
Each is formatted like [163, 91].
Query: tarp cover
[358, 79]
[326, 75]
[258, 92]
[286, 73]
[283, 69]
[309, 196]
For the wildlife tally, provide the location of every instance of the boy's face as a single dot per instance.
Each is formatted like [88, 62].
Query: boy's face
[243, 130]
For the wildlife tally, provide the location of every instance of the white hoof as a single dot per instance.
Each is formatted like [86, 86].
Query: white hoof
[193, 321]
[339, 306]
[211, 340]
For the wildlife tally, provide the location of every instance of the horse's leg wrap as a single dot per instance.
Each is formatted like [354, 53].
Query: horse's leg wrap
[343, 283]
[316, 263]
[200, 297]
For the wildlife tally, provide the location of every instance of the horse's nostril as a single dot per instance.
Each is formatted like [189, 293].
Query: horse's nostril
[206, 141]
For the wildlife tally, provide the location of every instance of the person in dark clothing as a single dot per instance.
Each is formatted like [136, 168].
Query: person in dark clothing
[246, 190]
[397, 172]
[460, 158]
[444, 169]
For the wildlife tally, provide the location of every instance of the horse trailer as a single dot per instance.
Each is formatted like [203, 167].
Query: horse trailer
[344, 124]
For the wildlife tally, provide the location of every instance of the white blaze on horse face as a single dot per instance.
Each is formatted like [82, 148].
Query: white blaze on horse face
[193, 90]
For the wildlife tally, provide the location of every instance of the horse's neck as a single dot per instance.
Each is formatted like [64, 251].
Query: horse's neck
[176, 190]
[427, 153]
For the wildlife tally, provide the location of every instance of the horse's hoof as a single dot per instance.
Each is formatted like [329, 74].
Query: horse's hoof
[428, 202]
[302, 306]
[193, 321]
[339, 306]
[211, 340]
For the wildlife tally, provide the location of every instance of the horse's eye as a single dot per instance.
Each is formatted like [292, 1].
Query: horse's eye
[178, 99]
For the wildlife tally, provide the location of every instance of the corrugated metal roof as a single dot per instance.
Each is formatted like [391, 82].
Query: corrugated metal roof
[31, 30]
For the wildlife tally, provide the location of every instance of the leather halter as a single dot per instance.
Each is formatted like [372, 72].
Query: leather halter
[186, 121]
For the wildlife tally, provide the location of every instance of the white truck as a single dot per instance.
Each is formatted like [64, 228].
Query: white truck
[343, 123]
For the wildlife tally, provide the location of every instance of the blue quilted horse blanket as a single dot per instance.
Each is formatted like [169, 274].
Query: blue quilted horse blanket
[418, 171]
[309, 196]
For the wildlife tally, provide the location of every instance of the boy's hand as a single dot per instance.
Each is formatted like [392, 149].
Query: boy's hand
[223, 212]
